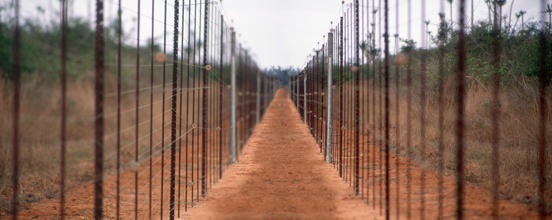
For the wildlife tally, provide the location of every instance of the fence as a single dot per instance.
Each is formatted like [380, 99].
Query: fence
[168, 115]
[455, 128]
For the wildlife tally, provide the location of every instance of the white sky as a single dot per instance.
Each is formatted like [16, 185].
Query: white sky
[280, 32]
[284, 32]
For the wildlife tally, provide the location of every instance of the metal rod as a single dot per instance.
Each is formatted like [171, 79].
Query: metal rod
[118, 145]
[221, 83]
[441, 117]
[409, 115]
[329, 118]
[99, 111]
[205, 103]
[137, 119]
[182, 30]
[387, 110]
[16, 107]
[356, 114]
[495, 113]
[150, 190]
[188, 127]
[460, 102]
[423, 68]
[182, 48]
[374, 77]
[162, 176]
[305, 95]
[173, 111]
[341, 97]
[233, 100]
[63, 108]
[544, 81]
[397, 112]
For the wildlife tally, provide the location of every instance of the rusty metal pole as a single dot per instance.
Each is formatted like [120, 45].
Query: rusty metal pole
[357, 99]
[305, 98]
[99, 111]
[341, 61]
[386, 107]
[173, 115]
[460, 112]
[16, 107]
[205, 103]
[544, 77]
[258, 97]
[63, 131]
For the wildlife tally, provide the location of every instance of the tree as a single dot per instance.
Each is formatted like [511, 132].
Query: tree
[490, 9]
[521, 14]
[427, 22]
[450, 2]
[471, 13]
[498, 13]
[549, 11]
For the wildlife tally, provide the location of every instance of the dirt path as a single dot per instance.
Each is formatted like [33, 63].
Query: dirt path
[281, 175]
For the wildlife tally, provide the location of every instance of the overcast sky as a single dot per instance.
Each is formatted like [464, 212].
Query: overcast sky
[284, 32]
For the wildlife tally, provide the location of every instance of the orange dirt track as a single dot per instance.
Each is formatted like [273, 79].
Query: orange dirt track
[281, 175]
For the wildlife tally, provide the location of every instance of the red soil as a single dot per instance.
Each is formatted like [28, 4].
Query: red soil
[281, 175]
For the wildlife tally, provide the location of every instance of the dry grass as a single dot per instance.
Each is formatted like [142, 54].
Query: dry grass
[40, 117]
[518, 134]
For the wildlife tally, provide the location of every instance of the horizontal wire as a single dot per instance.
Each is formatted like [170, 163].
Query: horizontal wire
[134, 165]
[109, 136]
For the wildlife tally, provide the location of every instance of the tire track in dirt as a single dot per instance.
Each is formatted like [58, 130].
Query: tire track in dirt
[281, 175]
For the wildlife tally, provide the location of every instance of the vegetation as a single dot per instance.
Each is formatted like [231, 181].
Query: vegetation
[282, 73]
[521, 50]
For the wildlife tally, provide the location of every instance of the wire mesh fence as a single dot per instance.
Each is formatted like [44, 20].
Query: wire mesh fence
[425, 119]
[128, 116]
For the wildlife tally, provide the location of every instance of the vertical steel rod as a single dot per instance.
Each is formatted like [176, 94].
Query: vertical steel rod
[99, 111]
[16, 106]
[233, 100]
[173, 111]
[329, 118]
[356, 114]
[460, 117]
[188, 127]
[423, 68]
[408, 115]
[386, 107]
[397, 113]
[495, 112]
[441, 117]
[305, 96]
[341, 97]
[205, 104]
[544, 81]
[137, 106]
[162, 179]
[150, 190]
[118, 144]
[218, 97]
[63, 107]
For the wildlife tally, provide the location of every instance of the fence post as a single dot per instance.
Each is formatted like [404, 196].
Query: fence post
[329, 115]
[233, 156]
[258, 98]
[99, 62]
[205, 103]
[297, 91]
[305, 98]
